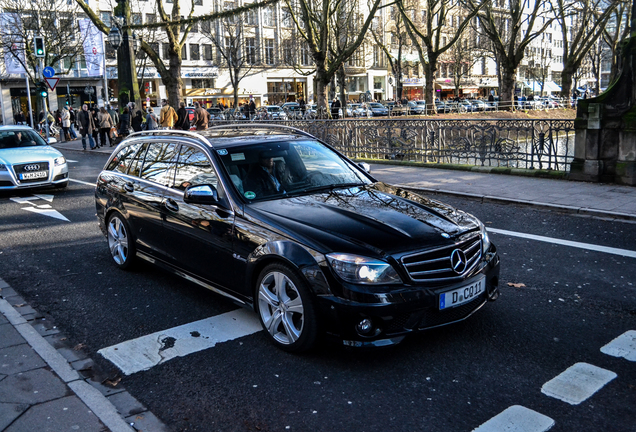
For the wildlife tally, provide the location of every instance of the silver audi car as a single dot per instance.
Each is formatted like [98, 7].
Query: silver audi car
[28, 161]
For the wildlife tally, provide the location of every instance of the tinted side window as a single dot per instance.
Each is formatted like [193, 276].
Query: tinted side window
[159, 162]
[121, 161]
[194, 168]
[138, 160]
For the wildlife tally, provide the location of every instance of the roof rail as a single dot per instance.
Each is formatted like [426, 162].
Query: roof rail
[252, 126]
[155, 132]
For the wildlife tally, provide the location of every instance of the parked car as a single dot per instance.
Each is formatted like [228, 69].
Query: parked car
[377, 109]
[416, 108]
[326, 249]
[216, 113]
[360, 110]
[276, 113]
[479, 105]
[464, 106]
[28, 161]
[190, 111]
[443, 107]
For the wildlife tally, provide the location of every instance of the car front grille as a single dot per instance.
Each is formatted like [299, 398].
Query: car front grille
[24, 168]
[435, 265]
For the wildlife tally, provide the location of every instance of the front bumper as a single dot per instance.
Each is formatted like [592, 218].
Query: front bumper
[58, 174]
[409, 309]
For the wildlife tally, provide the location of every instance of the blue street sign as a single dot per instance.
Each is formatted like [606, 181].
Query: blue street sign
[48, 72]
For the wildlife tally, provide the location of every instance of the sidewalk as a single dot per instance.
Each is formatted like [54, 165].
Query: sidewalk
[592, 199]
[46, 386]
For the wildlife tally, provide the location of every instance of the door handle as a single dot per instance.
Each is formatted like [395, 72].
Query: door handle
[171, 205]
[129, 187]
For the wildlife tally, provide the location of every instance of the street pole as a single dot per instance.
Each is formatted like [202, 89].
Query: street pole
[127, 73]
[29, 98]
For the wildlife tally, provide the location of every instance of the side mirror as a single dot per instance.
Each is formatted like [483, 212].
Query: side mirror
[365, 166]
[201, 194]
[52, 140]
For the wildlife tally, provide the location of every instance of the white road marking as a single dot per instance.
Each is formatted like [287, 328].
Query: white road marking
[151, 350]
[44, 209]
[577, 383]
[517, 419]
[81, 182]
[71, 161]
[622, 346]
[588, 246]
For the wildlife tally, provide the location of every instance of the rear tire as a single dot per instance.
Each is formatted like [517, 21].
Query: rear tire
[120, 242]
[285, 308]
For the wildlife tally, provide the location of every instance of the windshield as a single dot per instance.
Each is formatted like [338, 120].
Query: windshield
[376, 105]
[273, 109]
[20, 138]
[279, 169]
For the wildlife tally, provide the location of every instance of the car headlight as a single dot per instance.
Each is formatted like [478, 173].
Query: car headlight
[3, 167]
[357, 269]
[60, 161]
[485, 238]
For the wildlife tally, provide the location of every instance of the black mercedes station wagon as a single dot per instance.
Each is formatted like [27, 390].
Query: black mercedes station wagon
[278, 221]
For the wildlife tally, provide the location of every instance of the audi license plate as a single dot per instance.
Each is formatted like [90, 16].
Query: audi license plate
[33, 175]
[462, 295]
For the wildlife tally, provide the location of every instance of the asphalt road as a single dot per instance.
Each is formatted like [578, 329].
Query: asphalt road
[456, 378]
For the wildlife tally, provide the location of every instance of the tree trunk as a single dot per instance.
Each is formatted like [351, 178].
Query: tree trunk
[322, 81]
[173, 81]
[343, 97]
[429, 89]
[566, 83]
[507, 87]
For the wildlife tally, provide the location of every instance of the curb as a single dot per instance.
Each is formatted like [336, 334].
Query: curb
[586, 211]
[84, 388]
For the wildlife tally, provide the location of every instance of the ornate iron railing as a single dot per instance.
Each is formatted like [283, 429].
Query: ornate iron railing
[529, 144]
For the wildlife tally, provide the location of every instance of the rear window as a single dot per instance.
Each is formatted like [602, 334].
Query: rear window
[121, 161]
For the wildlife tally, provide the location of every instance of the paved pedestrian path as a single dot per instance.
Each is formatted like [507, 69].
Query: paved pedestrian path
[46, 386]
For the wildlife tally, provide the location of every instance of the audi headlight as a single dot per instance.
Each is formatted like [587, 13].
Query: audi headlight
[485, 239]
[60, 161]
[357, 269]
[3, 167]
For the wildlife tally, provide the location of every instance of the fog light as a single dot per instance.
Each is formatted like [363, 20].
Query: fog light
[365, 327]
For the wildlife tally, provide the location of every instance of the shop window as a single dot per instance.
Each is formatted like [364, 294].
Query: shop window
[202, 83]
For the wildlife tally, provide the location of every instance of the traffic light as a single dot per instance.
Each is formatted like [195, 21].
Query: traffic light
[73, 100]
[110, 93]
[38, 46]
[68, 99]
[41, 90]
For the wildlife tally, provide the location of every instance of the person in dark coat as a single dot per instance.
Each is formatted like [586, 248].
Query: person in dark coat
[335, 109]
[183, 118]
[95, 113]
[137, 122]
[124, 123]
[86, 126]
[263, 179]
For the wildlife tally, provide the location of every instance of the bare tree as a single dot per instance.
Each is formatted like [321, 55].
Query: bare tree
[511, 27]
[176, 30]
[462, 56]
[538, 57]
[437, 28]
[617, 30]
[582, 22]
[319, 25]
[55, 21]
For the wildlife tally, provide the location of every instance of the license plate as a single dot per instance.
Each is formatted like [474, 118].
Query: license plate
[33, 175]
[461, 295]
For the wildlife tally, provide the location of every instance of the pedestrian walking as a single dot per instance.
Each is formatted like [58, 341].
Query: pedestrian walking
[73, 119]
[251, 108]
[167, 115]
[114, 115]
[201, 117]
[137, 122]
[123, 127]
[95, 113]
[66, 123]
[86, 127]
[335, 109]
[151, 120]
[105, 124]
[183, 118]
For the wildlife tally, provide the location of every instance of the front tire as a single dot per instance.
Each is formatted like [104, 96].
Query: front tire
[120, 242]
[285, 308]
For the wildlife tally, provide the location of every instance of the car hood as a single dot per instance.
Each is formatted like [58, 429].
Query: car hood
[378, 219]
[28, 154]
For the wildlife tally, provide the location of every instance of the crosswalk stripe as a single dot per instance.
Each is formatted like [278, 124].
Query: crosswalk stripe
[622, 346]
[517, 419]
[597, 248]
[81, 182]
[151, 350]
[577, 383]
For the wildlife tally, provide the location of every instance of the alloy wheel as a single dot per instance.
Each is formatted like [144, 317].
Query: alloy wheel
[118, 240]
[281, 308]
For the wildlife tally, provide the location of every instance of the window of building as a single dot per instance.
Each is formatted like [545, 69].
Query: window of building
[202, 83]
[286, 20]
[151, 18]
[194, 52]
[207, 52]
[269, 51]
[268, 16]
[305, 55]
[184, 52]
[136, 18]
[198, 2]
[104, 16]
[251, 16]
[205, 27]
[250, 51]
[164, 50]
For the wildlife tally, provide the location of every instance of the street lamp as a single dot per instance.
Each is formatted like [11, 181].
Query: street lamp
[126, 43]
